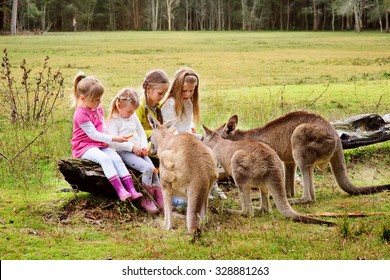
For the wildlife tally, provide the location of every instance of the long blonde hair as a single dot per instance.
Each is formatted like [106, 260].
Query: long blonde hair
[87, 86]
[154, 79]
[184, 75]
[124, 95]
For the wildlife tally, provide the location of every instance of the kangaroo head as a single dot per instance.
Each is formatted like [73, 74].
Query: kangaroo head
[210, 137]
[159, 133]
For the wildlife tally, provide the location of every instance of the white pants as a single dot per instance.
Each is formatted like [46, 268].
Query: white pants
[143, 165]
[111, 163]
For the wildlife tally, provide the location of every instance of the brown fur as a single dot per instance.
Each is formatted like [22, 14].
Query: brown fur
[305, 140]
[253, 164]
[187, 169]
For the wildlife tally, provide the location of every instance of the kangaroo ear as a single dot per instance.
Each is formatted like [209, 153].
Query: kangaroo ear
[207, 131]
[153, 121]
[169, 123]
[231, 124]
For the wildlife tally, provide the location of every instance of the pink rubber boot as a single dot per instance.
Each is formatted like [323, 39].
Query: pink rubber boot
[120, 190]
[129, 185]
[159, 197]
[149, 205]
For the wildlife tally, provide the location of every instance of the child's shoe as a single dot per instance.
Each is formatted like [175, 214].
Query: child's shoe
[217, 192]
[123, 194]
[149, 206]
[129, 185]
[179, 203]
[158, 196]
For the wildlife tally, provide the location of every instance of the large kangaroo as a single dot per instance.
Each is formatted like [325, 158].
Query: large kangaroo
[188, 169]
[253, 164]
[305, 140]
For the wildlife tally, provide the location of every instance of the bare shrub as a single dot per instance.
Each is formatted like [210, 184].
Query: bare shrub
[28, 102]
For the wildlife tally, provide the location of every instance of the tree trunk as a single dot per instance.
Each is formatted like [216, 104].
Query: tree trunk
[357, 21]
[43, 18]
[379, 15]
[155, 4]
[187, 16]
[244, 9]
[363, 130]
[324, 16]
[288, 15]
[281, 15]
[14, 16]
[169, 14]
[135, 14]
[315, 16]
[333, 16]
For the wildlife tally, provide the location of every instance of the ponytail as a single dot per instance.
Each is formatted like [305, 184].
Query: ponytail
[125, 94]
[87, 86]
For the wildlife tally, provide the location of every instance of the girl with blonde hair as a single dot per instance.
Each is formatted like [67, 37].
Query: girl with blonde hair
[182, 109]
[123, 121]
[182, 103]
[155, 86]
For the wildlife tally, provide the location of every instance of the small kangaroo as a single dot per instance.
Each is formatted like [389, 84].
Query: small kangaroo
[253, 164]
[188, 169]
[305, 140]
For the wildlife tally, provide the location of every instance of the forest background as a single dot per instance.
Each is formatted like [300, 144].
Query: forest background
[212, 15]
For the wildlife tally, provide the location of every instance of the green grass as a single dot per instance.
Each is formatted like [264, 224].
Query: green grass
[257, 75]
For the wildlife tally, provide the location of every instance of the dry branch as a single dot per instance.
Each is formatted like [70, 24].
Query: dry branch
[349, 214]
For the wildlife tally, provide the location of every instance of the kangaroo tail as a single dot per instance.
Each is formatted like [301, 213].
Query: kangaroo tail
[287, 211]
[337, 163]
[309, 220]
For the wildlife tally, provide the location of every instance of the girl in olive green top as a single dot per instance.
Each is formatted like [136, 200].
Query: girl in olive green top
[155, 86]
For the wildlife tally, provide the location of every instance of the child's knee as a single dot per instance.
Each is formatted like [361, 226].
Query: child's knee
[150, 168]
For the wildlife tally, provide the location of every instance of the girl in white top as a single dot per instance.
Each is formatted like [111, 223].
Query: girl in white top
[182, 103]
[182, 108]
[123, 121]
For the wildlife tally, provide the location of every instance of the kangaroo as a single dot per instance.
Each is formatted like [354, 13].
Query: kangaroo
[305, 140]
[188, 169]
[253, 164]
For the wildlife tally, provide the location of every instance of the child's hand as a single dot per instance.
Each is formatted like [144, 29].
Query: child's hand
[145, 152]
[137, 150]
[119, 139]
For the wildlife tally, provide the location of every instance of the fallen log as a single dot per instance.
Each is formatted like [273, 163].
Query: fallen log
[363, 130]
[87, 176]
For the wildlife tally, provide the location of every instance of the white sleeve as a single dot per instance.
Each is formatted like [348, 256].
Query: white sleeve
[112, 127]
[92, 133]
[168, 114]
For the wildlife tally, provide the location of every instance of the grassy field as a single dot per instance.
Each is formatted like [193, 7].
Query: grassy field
[257, 75]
